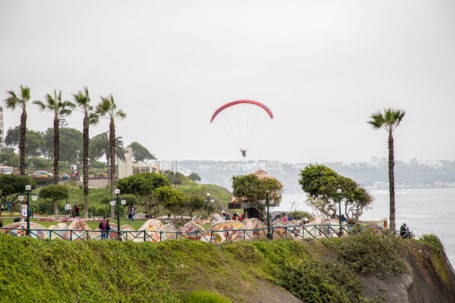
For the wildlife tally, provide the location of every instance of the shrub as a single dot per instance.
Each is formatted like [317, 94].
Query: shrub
[299, 215]
[433, 241]
[205, 297]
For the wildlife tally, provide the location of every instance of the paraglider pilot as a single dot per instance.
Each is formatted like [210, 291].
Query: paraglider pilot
[243, 151]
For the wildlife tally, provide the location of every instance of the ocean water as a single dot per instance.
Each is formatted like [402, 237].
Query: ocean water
[424, 210]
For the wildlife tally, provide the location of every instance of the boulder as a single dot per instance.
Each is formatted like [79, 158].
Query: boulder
[227, 231]
[18, 229]
[152, 228]
[193, 231]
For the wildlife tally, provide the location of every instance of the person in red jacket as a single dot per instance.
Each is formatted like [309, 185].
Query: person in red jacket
[77, 210]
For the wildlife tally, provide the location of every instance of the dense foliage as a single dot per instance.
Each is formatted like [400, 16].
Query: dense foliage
[254, 189]
[321, 184]
[13, 185]
[140, 153]
[53, 194]
[94, 271]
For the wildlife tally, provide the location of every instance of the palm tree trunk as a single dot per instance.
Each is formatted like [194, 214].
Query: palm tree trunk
[391, 182]
[22, 142]
[56, 148]
[85, 163]
[112, 156]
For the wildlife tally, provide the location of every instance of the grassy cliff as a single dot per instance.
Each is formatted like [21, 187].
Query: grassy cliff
[330, 270]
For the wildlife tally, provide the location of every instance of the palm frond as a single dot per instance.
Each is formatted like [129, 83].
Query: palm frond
[121, 114]
[377, 120]
[12, 101]
[25, 93]
[40, 104]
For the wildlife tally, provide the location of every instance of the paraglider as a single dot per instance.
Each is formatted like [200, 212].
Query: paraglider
[242, 120]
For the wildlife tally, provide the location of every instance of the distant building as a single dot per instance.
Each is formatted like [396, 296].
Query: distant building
[127, 167]
[2, 129]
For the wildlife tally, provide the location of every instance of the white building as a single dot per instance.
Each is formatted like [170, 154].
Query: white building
[127, 168]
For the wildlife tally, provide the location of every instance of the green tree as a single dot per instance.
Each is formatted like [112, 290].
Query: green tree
[194, 177]
[53, 194]
[13, 185]
[59, 108]
[33, 141]
[253, 189]
[12, 102]
[82, 101]
[194, 203]
[108, 108]
[70, 144]
[170, 198]
[100, 146]
[142, 186]
[321, 184]
[389, 120]
[140, 153]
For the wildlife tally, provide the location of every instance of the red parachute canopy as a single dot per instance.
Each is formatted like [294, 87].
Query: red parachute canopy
[223, 107]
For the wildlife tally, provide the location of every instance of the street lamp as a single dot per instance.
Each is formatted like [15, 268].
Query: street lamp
[339, 209]
[117, 193]
[208, 199]
[269, 233]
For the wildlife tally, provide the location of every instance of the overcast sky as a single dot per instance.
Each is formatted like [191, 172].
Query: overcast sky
[322, 67]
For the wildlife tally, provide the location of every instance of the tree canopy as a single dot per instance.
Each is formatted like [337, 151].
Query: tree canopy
[321, 184]
[255, 189]
[70, 143]
[140, 153]
[14, 185]
[194, 177]
[142, 186]
[54, 193]
[34, 141]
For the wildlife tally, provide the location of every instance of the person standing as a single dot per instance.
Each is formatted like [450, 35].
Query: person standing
[67, 208]
[403, 231]
[108, 228]
[102, 227]
[131, 213]
[24, 211]
[77, 210]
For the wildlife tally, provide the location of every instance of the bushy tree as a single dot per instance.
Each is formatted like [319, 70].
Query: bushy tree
[13, 185]
[53, 194]
[321, 184]
[194, 203]
[194, 177]
[254, 189]
[140, 153]
[170, 198]
[70, 142]
[33, 144]
[142, 186]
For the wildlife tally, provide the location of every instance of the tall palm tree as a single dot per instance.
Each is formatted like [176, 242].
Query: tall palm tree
[12, 102]
[82, 101]
[389, 120]
[61, 109]
[108, 109]
[100, 146]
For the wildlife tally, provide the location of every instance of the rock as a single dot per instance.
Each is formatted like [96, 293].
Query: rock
[215, 218]
[140, 216]
[18, 229]
[259, 229]
[227, 231]
[193, 231]
[152, 228]
[59, 231]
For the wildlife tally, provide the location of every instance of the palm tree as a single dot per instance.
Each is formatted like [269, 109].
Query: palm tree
[60, 109]
[12, 102]
[108, 109]
[82, 101]
[100, 146]
[389, 120]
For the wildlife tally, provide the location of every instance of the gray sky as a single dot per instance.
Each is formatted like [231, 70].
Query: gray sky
[323, 67]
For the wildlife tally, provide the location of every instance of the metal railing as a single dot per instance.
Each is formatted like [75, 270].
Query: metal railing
[308, 231]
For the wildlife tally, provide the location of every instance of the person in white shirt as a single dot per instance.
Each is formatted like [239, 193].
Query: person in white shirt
[68, 208]
[24, 210]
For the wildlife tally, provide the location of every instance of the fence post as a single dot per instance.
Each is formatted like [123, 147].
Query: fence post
[71, 235]
[161, 232]
[145, 238]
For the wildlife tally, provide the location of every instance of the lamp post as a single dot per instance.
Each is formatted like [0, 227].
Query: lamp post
[117, 201]
[208, 199]
[339, 209]
[269, 233]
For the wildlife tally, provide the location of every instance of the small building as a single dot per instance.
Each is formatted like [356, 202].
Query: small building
[127, 167]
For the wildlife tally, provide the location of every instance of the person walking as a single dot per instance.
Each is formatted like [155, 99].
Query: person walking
[131, 213]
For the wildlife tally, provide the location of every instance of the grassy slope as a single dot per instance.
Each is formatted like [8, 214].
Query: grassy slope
[93, 271]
